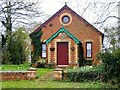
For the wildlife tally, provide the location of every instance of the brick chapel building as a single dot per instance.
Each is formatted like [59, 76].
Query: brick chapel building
[69, 40]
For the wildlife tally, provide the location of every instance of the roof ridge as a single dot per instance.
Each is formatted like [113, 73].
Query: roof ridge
[66, 7]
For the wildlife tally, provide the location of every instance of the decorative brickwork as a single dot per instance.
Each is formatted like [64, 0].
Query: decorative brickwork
[72, 55]
[49, 53]
[76, 32]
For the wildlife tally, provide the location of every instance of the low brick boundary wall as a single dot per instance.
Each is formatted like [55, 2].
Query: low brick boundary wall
[60, 74]
[18, 75]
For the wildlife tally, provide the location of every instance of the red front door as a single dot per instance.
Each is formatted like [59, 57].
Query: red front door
[62, 53]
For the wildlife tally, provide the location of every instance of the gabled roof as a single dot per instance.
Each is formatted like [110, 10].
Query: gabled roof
[63, 30]
[66, 7]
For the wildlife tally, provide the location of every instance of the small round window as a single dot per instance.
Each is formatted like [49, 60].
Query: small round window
[65, 19]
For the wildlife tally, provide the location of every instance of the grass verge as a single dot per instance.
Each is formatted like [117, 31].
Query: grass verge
[53, 84]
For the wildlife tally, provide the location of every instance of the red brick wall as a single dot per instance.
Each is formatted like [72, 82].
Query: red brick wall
[72, 53]
[18, 75]
[79, 28]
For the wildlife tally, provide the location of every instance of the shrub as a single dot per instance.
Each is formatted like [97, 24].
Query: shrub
[111, 63]
[96, 68]
[41, 63]
[86, 73]
[16, 49]
[83, 76]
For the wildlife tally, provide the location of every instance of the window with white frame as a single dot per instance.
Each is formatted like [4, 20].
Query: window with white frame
[89, 49]
[43, 50]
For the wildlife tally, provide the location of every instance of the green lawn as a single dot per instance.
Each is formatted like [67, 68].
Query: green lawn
[50, 83]
[43, 71]
[15, 67]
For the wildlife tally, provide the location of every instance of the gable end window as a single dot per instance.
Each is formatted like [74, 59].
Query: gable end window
[43, 50]
[89, 49]
[65, 19]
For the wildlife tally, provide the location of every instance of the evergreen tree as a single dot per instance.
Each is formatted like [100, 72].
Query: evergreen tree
[16, 50]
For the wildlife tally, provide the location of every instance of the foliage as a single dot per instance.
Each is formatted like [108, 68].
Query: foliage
[86, 73]
[41, 63]
[111, 63]
[16, 48]
[112, 36]
[36, 42]
[111, 56]
[80, 55]
[96, 68]
[14, 13]
[84, 76]
[48, 83]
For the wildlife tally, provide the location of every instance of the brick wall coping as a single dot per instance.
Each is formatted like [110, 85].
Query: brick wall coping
[58, 69]
[31, 69]
[28, 74]
[14, 71]
[20, 71]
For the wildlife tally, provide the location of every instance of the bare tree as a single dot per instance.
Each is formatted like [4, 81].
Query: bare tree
[16, 12]
[97, 12]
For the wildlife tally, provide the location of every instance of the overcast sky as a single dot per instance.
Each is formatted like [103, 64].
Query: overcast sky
[88, 9]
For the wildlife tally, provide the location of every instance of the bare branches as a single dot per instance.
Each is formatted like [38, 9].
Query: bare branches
[18, 10]
[97, 12]
[85, 9]
[106, 19]
[106, 13]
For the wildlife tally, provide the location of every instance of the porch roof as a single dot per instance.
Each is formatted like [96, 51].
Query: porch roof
[65, 31]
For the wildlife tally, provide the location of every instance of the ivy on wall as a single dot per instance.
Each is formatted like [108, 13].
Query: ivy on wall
[36, 42]
[80, 55]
